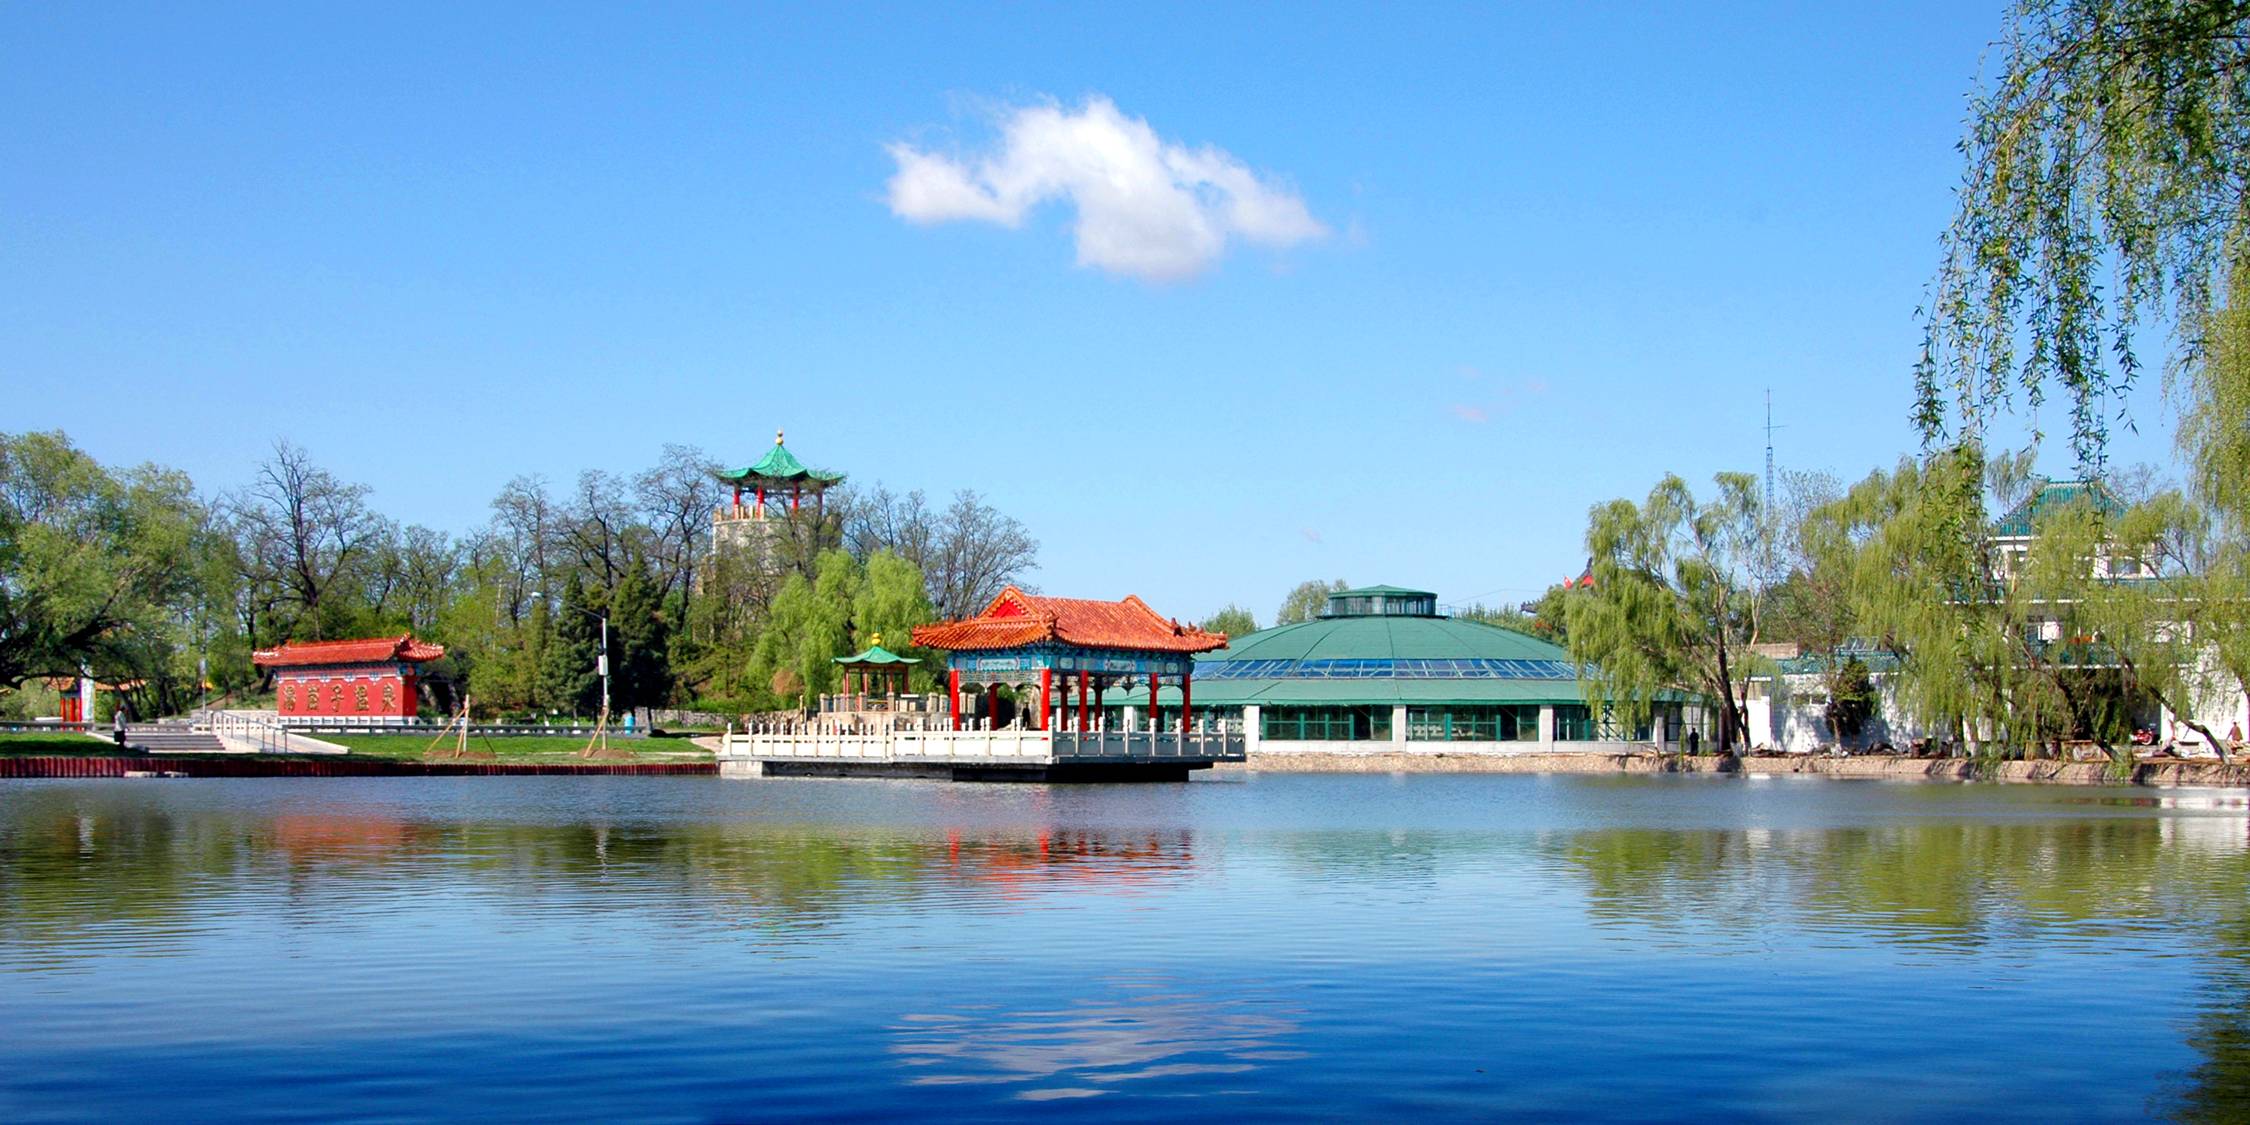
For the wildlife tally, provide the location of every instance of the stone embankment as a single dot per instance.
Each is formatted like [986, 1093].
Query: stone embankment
[1917, 769]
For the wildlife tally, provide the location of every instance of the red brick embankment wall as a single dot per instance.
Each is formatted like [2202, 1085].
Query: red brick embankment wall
[198, 766]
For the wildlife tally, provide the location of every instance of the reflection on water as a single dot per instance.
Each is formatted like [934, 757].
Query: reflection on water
[1331, 946]
[1144, 1028]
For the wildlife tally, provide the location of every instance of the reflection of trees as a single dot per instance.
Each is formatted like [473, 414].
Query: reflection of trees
[72, 868]
[1970, 882]
[1967, 886]
[1391, 857]
[2218, 1089]
[86, 867]
[1655, 876]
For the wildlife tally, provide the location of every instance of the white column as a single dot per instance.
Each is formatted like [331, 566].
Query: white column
[1546, 728]
[1398, 728]
[1250, 724]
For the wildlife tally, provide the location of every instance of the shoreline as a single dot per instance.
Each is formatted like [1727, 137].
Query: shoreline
[249, 765]
[2151, 774]
[2158, 774]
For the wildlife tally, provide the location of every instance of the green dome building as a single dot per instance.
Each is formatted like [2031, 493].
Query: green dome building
[1381, 665]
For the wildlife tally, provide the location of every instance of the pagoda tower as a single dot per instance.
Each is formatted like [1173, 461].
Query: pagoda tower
[768, 497]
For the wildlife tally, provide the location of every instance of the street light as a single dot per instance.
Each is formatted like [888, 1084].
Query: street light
[601, 663]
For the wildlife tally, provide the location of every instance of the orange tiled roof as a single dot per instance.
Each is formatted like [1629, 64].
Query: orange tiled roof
[1015, 619]
[374, 650]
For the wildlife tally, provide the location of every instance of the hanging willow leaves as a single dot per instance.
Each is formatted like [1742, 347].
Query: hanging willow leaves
[1674, 607]
[2105, 182]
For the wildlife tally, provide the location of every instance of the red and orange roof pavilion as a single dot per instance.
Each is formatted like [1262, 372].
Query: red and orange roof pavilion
[1025, 638]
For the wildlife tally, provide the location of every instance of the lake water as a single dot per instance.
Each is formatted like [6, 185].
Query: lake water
[1249, 946]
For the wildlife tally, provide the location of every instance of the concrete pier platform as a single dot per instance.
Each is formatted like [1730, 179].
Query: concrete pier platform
[972, 755]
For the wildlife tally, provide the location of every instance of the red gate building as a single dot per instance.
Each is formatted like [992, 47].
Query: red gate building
[335, 683]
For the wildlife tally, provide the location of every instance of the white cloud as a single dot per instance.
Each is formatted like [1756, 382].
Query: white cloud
[1146, 207]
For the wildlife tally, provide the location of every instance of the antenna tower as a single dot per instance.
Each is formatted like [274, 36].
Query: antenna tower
[1770, 428]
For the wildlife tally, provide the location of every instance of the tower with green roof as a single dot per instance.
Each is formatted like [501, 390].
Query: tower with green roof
[780, 489]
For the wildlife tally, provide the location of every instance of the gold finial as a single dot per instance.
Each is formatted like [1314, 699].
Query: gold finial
[777, 437]
[878, 640]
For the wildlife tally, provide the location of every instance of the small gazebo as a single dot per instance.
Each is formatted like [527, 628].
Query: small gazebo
[875, 670]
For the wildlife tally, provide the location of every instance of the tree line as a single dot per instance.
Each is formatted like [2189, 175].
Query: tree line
[2105, 189]
[135, 576]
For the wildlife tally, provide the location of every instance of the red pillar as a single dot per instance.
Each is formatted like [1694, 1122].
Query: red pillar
[1046, 695]
[1081, 700]
[1154, 712]
[1187, 708]
[738, 495]
[953, 691]
[761, 501]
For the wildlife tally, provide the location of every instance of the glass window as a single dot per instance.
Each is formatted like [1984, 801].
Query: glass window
[1573, 723]
[1488, 723]
[1325, 724]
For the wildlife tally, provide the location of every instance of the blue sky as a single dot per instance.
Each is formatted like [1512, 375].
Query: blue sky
[1554, 253]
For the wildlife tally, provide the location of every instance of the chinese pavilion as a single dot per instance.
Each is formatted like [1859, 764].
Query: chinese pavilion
[778, 485]
[1080, 644]
[875, 671]
[776, 475]
[376, 679]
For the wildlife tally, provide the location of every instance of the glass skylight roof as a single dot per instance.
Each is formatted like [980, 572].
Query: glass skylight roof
[1369, 669]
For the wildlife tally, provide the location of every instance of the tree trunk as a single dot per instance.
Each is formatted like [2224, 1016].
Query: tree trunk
[1726, 692]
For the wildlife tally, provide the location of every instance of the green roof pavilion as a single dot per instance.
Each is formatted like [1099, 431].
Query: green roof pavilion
[777, 472]
[2022, 521]
[876, 669]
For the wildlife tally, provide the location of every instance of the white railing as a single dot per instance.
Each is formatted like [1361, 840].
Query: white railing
[258, 732]
[909, 742]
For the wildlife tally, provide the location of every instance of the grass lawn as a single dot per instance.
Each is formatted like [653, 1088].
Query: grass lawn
[560, 748]
[53, 746]
[523, 748]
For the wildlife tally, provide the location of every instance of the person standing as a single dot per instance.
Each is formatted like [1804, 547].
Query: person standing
[117, 724]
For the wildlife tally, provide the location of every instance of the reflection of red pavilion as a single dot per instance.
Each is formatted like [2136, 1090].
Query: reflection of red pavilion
[375, 680]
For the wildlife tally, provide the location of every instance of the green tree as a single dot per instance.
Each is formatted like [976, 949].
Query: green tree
[2213, 537]
[808, 626]
[1673, 606]
[95, 568]
[1235, 621]
[1912, 546]
[2107, 183]
[568, 652]
[1851, 698]
[1505, 616]
[1550, 615]
[2010, 643]
[639, 644]
[1307, 601]
[892, 599]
